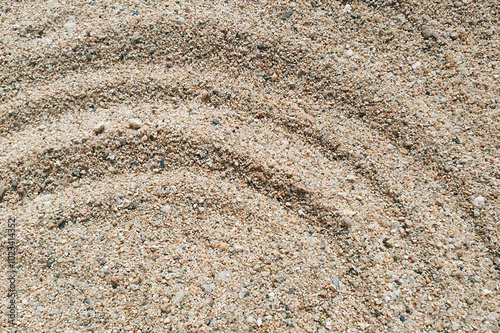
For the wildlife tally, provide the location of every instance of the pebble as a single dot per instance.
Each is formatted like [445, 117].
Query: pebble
[135, 123]
[99, 128]
[347, 222]
[427, 32]
[416, 66]
[165, 308]
[310, 118]
[479, 201]
[351, 178]
[205, 95]
[70, 24]
[135, 37]
[208, 288]
[250, 319]
[179, 296]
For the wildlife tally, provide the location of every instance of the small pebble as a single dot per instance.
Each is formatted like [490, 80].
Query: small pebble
[479, 201]
[351, 178]
[99, 128]
[179, 296]
[205, 95]
[347, 222]
[135, 123]
[70, 24]
[135, 37]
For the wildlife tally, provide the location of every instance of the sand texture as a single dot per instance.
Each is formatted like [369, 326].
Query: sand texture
[239, 166]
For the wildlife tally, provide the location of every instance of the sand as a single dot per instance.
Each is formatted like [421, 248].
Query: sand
[234, 166]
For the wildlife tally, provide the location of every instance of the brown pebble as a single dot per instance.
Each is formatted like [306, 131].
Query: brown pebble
[165, 308]
[311, 119]
[205, 95]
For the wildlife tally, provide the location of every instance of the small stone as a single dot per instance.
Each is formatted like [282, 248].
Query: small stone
[428, 32]
[259, 322]
[351, 178]
[407, 310]
[215, 121]
[135, 37]
[459, 274]
[479, 201]
[205, 95]
[135, 123]
[134, 287]
[336, 282]
[70, 24]
[182, 20]
[99, 128]
[250, 319]
[402, 318]
[208, 288]
[347, 222]
[238, 248]
[178, 297]
[310, 118]
[416, 66]
[165, 308]
[145, 138]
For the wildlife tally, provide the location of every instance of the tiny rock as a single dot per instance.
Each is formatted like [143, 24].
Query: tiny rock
[427, 32]
[347, 222]
[479, 201]
[165, 308]
[351, 178]
[99, 128]
[178, 297]
[70, 24]
[135, 37]
[205, 95]
[135, 123]
[310, 118]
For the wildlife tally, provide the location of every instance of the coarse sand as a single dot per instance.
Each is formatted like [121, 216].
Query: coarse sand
[239, 166]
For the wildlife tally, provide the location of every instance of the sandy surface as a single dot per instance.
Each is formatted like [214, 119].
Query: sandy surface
[234, 166]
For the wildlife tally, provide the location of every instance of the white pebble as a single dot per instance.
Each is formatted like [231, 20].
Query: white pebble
[70, 24]
[178, 297]
[479, 201]
[135, 37]
[351, 178]
[135, 123]
[99, 128]
[416, 66]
